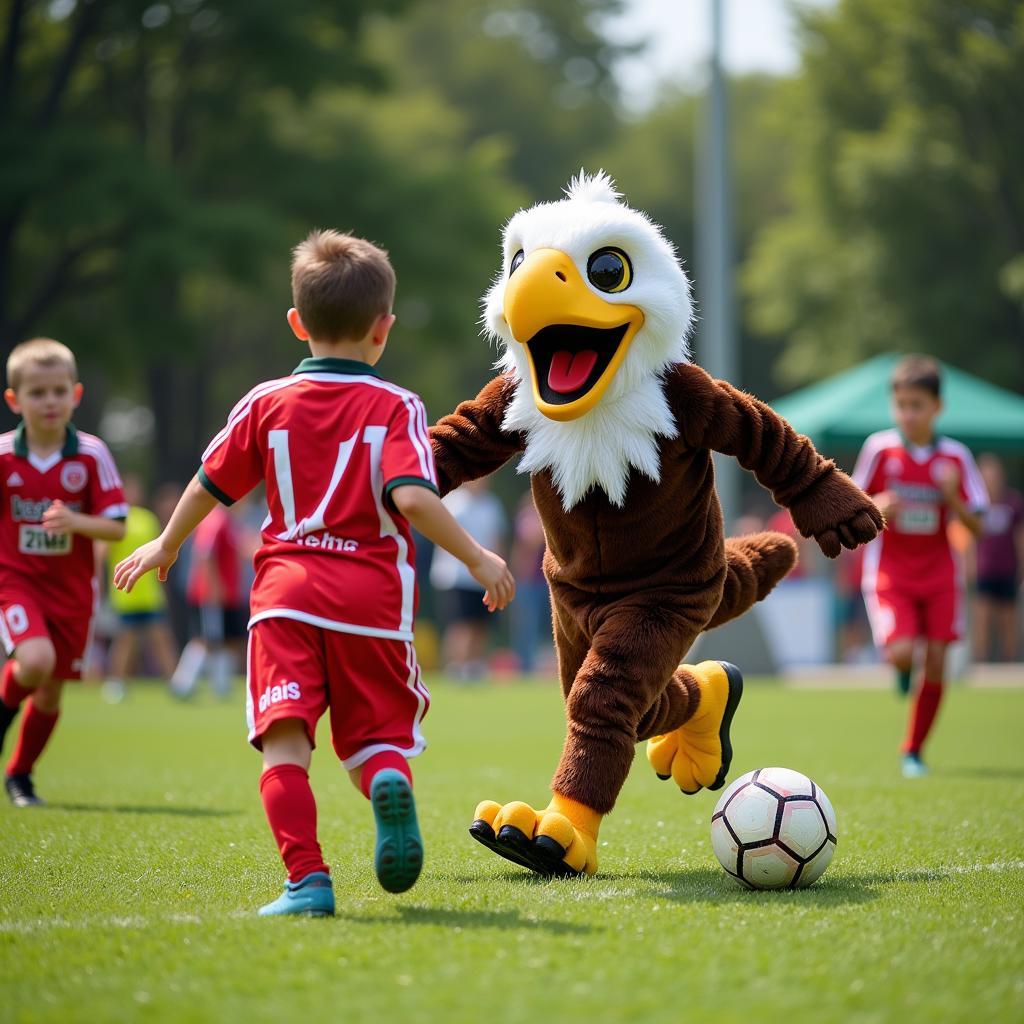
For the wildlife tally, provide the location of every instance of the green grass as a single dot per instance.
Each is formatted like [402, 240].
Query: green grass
[132, 896]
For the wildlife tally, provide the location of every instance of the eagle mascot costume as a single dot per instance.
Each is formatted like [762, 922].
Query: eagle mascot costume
[616, 427]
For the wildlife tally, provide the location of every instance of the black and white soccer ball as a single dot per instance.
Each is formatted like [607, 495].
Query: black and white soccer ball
[773, 828]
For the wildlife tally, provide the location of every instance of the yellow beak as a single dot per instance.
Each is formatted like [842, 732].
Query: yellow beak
[575, 341]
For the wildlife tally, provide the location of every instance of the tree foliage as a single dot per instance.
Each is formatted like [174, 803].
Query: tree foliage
[906, 228]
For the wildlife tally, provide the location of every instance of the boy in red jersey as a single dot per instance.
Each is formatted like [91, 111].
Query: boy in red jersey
[59, 491]
[910, 581]
[347, 466]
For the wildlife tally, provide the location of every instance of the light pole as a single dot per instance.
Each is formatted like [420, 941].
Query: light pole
[716, 338]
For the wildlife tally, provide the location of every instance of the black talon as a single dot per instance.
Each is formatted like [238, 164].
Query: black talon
[664, 778]
[542, 855]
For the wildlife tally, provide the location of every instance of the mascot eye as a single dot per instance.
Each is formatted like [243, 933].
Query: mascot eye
[610, 270]
[517, 261]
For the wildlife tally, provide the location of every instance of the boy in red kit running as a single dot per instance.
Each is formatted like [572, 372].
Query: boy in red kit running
[59, 491]
[347, 466]
[911, 585]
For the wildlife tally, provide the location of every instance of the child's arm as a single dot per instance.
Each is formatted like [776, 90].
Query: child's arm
[949, 484]
[58, 518]
[427, 513]
[160, 554]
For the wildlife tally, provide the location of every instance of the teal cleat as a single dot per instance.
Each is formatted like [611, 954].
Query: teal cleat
[913, 767]
[312, 896]
[399, 853]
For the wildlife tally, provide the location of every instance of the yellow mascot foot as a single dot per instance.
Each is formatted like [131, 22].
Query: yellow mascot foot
[559, 841]
[699, 753]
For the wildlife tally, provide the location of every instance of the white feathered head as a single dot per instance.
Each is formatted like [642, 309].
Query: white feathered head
[590, 308]
[591, 301]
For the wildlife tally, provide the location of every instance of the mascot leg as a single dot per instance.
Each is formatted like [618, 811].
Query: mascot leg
[688, 726]
[615, 679]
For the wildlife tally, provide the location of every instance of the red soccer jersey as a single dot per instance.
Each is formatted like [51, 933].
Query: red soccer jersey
[215, 549]
[330, 442]
[58, 567]
[913, 551]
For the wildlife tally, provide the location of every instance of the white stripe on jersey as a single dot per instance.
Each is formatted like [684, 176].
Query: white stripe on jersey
[119, 511]
[415, 683]
[89, 444]
[974, 485]
[413, 403]
[5, 636]
[333, 624]
[414, 436]
[426, 442]
[250, 709]
[374, 437]
[874, 445]
[241, 410]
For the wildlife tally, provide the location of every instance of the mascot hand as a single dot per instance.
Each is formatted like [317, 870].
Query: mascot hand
[837, 514]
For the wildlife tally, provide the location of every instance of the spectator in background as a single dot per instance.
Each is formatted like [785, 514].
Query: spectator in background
[463, 614]
[1000, 558]
[219, 609]
[531, 611]
[142, 613]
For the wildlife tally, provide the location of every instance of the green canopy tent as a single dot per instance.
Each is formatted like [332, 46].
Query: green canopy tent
[839, 412]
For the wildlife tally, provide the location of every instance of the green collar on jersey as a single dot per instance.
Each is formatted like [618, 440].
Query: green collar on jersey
[331, 364]
[70, 441]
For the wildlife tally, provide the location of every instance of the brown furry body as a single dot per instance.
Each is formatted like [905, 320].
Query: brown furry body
[633, 586]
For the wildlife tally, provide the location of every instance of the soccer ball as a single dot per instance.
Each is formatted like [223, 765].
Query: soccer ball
[774, 829]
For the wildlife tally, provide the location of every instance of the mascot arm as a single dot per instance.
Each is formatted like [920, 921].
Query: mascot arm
[469, 443]
[824, 502]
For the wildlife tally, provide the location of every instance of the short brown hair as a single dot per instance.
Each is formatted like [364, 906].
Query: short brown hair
[41, 352]
[340, 285]
[918, 372]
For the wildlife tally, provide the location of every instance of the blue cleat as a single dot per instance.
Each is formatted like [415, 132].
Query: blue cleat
[913, 766]
[399, 854]
[312, 896]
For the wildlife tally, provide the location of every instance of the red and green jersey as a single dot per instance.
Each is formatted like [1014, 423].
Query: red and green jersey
[330, 442]
[58, 567]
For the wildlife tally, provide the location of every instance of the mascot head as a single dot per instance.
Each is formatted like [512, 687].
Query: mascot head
[591, 300]
[590, 308]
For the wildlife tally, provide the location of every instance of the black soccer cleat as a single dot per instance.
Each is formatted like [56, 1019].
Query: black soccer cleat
[22, 792]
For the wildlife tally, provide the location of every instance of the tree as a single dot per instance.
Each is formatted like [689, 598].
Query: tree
[653, 159]
[535, 76]
[158, 161]
[906, 228]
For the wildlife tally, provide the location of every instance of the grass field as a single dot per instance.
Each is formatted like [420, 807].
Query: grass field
[131, 896]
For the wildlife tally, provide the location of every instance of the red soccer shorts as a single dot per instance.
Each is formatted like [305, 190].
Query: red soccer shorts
[371, 687]
[904, 615]
[22, 618]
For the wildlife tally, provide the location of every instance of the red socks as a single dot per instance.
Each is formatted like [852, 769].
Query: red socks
[11, 692]
[36, 729]
[385, 759]
[922, 716]
[291, 812]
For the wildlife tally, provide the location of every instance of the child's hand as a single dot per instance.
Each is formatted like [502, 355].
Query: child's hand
[492, 574]
[947, 476]
[150, 556]
[888, 503]
[58, 518]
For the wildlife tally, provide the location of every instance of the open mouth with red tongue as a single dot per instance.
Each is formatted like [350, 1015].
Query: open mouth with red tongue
[569, 359]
